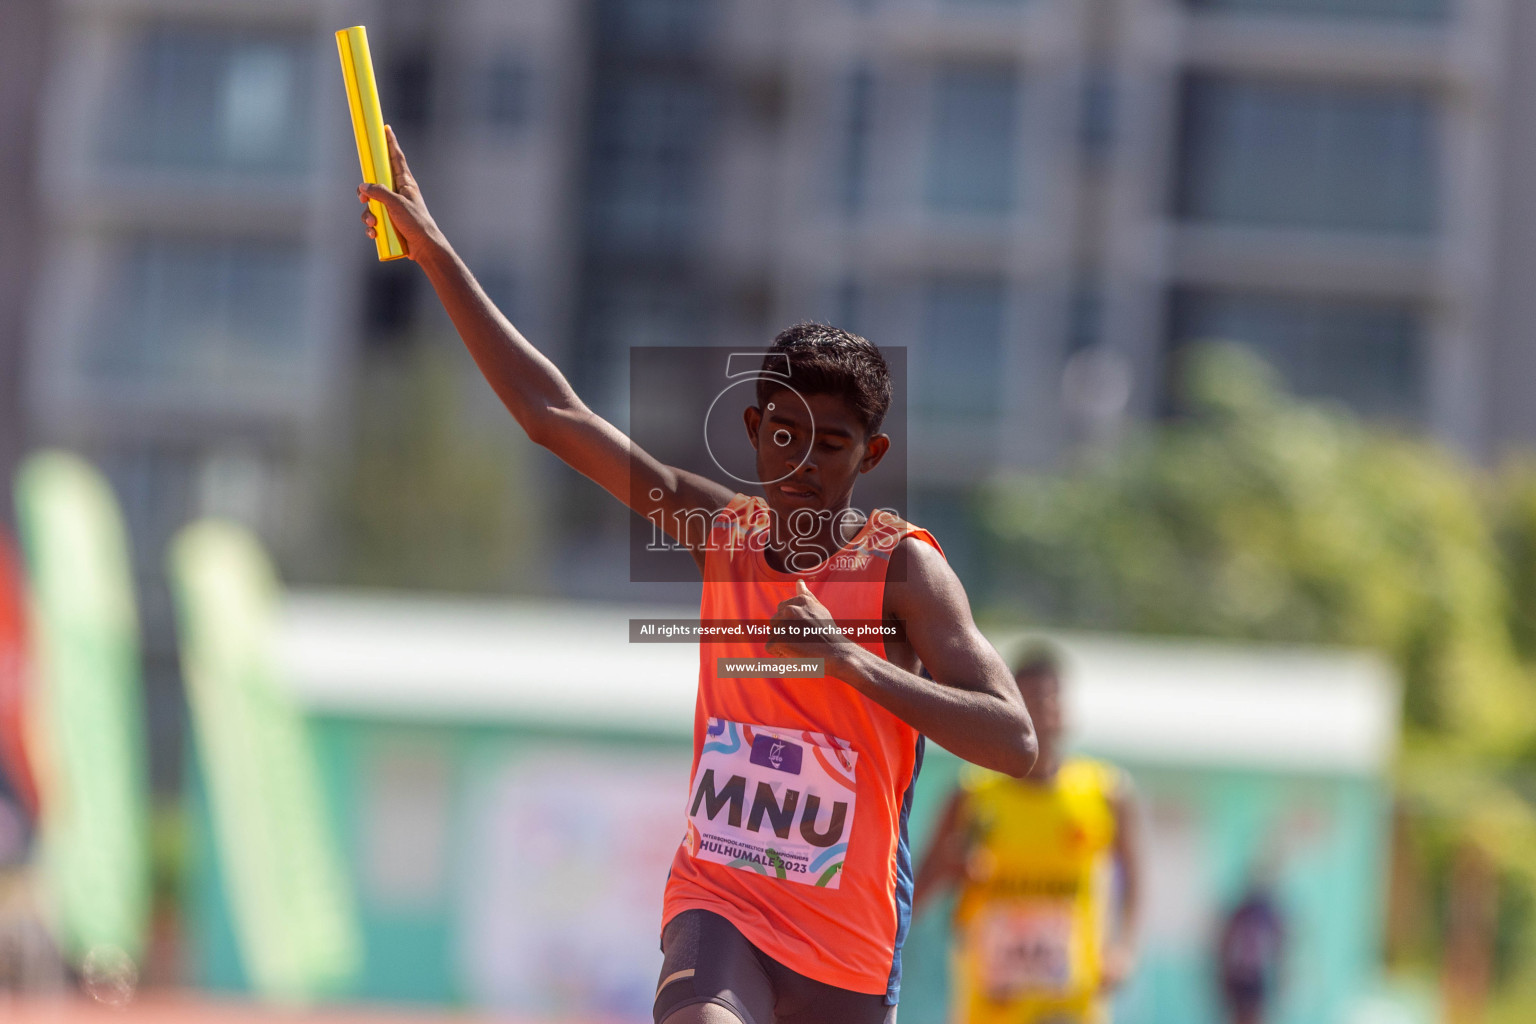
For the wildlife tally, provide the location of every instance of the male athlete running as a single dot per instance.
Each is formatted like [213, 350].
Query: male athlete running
[789, 898]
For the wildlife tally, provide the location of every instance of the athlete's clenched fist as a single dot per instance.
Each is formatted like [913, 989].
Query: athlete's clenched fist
[803, 628]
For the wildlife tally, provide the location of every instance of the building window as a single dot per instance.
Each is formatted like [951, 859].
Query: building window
[971, 156]
[648, 150]
[1307, 156]
[213, 99]
[1096, 124]
[853, 175]
[407, 92]
[849, 303]
[203, 316]
[1366, 354]
[626, 311]
[1407, 10]
[1085, 317]
[646, 310]
[498, 279]
[653, 26]
[960, 367]
[391, 295]
[506, 96]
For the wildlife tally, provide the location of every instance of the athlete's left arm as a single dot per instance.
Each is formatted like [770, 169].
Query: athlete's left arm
[1120, 952]
[971, 706]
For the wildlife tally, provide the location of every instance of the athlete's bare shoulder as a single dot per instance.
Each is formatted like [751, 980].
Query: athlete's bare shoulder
[926, 598]
[919, 573]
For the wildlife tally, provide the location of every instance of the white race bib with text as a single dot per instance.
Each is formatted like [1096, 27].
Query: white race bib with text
[774, 801]
[1026, 949]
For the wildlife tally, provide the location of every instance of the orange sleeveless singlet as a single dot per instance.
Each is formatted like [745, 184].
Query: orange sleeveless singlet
[801, 788]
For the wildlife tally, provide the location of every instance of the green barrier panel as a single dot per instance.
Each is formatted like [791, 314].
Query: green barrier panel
[93, 841]
[293, 911]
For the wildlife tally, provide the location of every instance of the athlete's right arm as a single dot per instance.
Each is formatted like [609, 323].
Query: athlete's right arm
[531, 387]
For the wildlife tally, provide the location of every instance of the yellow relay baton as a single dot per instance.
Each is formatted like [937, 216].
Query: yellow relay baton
[368, 126]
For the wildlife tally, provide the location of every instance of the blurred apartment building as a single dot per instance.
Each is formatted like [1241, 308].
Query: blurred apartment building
[1042, 200]
[190, 311]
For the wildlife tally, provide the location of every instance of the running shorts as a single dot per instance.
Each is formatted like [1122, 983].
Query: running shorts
[706, 960]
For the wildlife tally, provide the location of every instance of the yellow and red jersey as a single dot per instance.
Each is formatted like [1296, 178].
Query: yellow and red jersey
[1031, 916]
[801, 788]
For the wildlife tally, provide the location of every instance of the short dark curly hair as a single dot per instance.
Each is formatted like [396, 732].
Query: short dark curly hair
[826, 360]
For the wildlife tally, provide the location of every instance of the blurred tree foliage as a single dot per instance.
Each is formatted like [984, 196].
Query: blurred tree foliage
[1517, 535]
[1257, 516]
[433, 493]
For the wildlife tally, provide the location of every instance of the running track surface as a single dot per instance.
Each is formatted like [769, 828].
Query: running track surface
[163, 1009]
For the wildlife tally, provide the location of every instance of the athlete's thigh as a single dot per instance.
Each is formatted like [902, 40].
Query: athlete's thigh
[706, 962]
[800, 1000]
[701, 1013]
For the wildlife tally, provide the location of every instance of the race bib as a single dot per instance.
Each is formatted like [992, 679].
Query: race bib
[773, 801]
[1026, 949]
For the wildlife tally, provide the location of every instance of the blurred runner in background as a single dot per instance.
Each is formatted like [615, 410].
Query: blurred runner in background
[1252, 941]
[1048, 872]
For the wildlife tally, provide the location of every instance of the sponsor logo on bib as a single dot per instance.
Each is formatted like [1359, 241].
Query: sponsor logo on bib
[772, 752]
